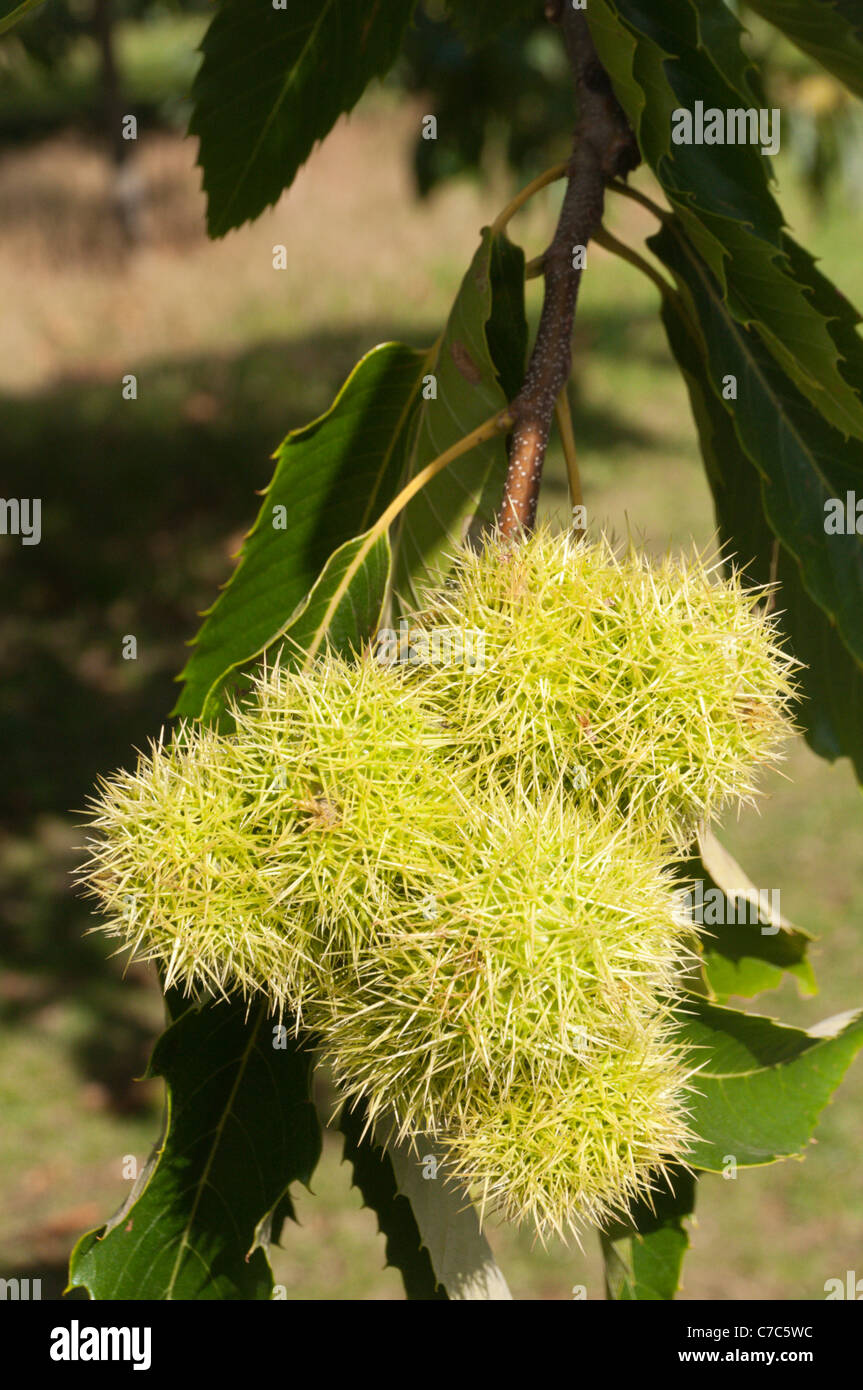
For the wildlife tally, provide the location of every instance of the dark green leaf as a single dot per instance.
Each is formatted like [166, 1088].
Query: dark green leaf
[720, 192]
[241, 1128]
[333, 478]
[644, 1253]
[804, 461]
[761, 1085]
[344, 605]
[272, 83]
[506, 329]
[830, 31]
[340, 613]
[718, 35]
[373, 1175]
[831, 681]
[800, 462]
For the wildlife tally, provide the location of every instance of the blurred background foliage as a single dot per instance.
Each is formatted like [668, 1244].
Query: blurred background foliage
[52, 65]
[502, 104]
[144, 504]
[510, 102]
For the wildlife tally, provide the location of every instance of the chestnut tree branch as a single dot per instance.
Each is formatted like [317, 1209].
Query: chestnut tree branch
[604, 148]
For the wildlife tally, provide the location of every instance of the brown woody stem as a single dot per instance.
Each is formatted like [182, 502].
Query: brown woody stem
[603, 148]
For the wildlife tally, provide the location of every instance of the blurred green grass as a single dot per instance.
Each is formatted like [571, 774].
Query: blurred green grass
[143, 508]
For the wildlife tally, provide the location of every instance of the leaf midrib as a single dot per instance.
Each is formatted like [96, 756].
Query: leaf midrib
[286, 86]
[201, 1184]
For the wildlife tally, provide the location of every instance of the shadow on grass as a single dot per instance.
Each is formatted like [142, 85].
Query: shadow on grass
[143, 505]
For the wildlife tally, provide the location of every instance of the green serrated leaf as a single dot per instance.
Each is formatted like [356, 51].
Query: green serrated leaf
[804, 461]
[373, 1175]
[756, 950]
[830, 681]
[830, 31]
[340, 612]
[240, 1128]
[644, 1254]
[344, 605]
[333, 478]
[761, 1085]
[273, 81]
[720, 192]
[718, 34]
[477, 360]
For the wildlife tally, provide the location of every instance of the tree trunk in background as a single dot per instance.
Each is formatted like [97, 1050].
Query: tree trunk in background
[127, 190]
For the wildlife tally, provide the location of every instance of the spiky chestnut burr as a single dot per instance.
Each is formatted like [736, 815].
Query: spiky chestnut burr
[182, 878]
[657, 687]
[535, 936]
[456, 872]
[239, 864]
[581, 1150]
